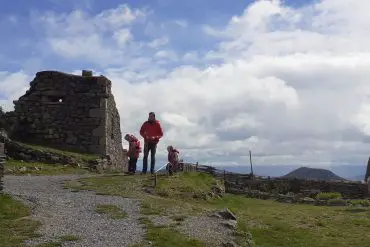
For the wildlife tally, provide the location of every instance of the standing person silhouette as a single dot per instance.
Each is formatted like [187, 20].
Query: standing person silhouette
[151, 131]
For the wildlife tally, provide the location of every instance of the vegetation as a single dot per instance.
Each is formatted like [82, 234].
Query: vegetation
[328, 195]
[17, 167]
[271, 223]
[112, 211]
[76, 155]
[15, 227]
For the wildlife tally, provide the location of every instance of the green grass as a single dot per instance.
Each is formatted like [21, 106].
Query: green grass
[328, 195]
[165, 237]
[112, 211]
[272, 224]
[12, 167]
[80, 156]
[62, 239]
[14, 225]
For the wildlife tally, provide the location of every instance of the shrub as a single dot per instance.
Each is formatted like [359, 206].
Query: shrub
[328, 195]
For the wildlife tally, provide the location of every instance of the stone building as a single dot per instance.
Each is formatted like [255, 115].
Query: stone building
[71, 112]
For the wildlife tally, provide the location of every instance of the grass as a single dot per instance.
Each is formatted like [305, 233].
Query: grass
[112, 211]
[13, 167]
[328, 195]
[272, 224]
[62, 239]
[165, 237]
[77, 155]
[14, 225]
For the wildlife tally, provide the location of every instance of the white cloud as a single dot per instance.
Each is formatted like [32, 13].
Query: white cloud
[13, 85]
[159, 42]
[122, 36]
[290, 83]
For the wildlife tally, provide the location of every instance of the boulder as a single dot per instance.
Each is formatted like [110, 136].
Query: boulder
[225, 214]
[232, 224]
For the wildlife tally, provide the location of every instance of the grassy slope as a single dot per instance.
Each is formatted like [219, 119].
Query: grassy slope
[76, 155]
[12, 167]
[272, 224]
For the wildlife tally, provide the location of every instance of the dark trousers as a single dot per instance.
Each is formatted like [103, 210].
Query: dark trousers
[132, 164]
[152, 147]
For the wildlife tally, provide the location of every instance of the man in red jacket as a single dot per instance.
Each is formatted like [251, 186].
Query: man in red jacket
[151, 131]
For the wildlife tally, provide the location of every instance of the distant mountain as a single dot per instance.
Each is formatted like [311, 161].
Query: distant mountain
[357, 178]
[312, 173]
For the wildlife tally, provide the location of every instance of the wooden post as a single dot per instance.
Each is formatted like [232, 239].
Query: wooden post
[250, 161]
[196, 166]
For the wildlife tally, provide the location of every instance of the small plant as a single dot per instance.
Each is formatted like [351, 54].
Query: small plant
[113, 211]
[328, 195]
[359, 202]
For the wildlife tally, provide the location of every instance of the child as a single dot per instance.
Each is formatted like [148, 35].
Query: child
[133, 152]
[173, 159]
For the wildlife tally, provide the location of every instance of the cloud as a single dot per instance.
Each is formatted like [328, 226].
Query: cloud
[291, 84]
[13, 85]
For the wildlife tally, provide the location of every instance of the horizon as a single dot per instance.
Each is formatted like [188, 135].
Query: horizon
[223, 78]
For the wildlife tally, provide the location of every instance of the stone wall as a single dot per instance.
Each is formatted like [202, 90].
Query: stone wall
[70, 112]
[244, 183]
[348, 190]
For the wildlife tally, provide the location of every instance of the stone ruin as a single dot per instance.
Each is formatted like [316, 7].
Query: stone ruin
[70, 112]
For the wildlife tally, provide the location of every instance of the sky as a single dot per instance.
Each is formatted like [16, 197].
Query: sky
[288, 80]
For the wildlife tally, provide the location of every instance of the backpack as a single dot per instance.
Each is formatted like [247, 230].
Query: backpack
[175, 156]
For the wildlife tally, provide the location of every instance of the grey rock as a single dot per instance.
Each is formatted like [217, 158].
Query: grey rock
[225, 214]
[229, 244]
[232, 224]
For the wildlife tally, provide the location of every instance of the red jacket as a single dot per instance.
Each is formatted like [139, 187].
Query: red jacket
[151, 132]
[134, 147]
[173, 156]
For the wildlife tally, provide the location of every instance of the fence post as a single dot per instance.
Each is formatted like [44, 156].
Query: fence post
[196, 166]
[155, 180]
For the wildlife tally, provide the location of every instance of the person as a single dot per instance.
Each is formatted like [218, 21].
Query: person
[133, 153]
[173, 160]
[152, 132]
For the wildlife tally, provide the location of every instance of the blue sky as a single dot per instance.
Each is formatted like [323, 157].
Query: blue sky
[21, 36]
[287, 79]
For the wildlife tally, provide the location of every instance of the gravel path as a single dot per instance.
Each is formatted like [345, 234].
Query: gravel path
[62, 213]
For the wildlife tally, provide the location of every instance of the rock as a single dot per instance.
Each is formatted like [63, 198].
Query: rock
[308, 200]
[232, 224]
[225, 214]
[23, 169]
[229, 244]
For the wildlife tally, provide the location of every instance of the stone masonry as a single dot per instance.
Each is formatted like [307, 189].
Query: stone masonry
[71, 112]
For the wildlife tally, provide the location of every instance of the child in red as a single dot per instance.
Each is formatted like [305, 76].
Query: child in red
[173, 159]
[133, 152]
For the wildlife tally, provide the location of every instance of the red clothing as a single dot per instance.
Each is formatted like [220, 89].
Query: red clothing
[151, 132]
[134, 147]
[173, 156]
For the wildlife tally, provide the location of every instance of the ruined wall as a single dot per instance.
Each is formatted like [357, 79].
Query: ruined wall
[70, 112]
[114, 135]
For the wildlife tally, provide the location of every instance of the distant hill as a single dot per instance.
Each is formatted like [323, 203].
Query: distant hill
[312, 173]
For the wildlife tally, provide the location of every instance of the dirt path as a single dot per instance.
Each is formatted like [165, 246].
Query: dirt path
[66, 213]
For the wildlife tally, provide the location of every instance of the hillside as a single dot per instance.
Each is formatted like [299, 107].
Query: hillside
[312, 173]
